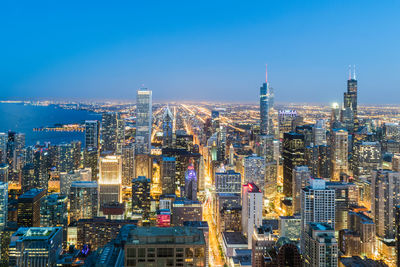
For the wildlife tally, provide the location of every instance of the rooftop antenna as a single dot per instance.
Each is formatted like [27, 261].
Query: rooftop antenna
[354, 73]
[349, 72]
[266, 73]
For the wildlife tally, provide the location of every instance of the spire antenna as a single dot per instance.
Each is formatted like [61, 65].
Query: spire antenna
[266, 73]
[349, 72]
[354, 73]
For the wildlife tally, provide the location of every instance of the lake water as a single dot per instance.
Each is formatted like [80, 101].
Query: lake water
[23, 118]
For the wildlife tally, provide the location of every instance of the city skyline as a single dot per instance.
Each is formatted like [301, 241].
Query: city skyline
[217, 54]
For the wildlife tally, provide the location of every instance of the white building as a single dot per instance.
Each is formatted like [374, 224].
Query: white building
[251, 210]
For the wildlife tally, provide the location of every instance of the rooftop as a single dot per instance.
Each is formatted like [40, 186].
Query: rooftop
[36, 233]
[166, 235]
[234, 238]
[91, 184]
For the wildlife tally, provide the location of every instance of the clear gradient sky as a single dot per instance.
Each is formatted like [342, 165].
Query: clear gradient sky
[199, 50]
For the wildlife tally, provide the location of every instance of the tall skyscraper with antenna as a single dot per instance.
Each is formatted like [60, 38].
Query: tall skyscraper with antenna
[266, 103]
[349, 117]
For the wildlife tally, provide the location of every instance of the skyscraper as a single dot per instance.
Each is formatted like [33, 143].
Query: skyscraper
[84, 200]
[385, 197]
[301, 176]
[110, 179]
[54, 212]
[4, 169]
[92, 134]
[141, 197]
[254, 171]
[65, 157]
[285, 121]
[266, 103]
[112, 132]
[29, 208]
[367, 157]
[90, 160]
[349, 114]
[339, 153]
[3, 204]
[128, 163]
[144, 121]
[319, 133]
[293, 155]
[320, 245]
[252, 206]
[317, 204]
[167, 126]
[191, 183]
[168, 170]
[36, 246]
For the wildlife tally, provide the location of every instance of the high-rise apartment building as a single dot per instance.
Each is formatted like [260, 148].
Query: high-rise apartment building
[339, 153]
[84, 200]
[128, 163]
[346, 195]
[301, 176]
[54, 212]
[141, 200]
[317, 204]
[319, 133]
[3, 204]
[144, 121]
[92, 134]
[228, 182]
[66, 179]
[367, 156]
[90, 160]
[385, 197]
[252, 206]
[65, 156]
[254, 171]
[112, 132]
[320, 245]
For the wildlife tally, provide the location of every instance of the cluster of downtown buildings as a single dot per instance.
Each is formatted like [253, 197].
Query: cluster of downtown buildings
[188, 191]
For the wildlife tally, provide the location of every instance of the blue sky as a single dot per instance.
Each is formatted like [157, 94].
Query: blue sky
[199, 50]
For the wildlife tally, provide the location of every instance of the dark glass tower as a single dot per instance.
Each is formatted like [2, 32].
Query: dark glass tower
[350, 104]
[191, 183]
[293, 155]
[167, 128]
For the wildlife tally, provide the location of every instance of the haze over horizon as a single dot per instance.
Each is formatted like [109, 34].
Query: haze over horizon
[199, 52]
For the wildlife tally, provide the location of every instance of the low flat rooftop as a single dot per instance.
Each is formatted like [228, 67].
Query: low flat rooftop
[234, 238]
[166, 235]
